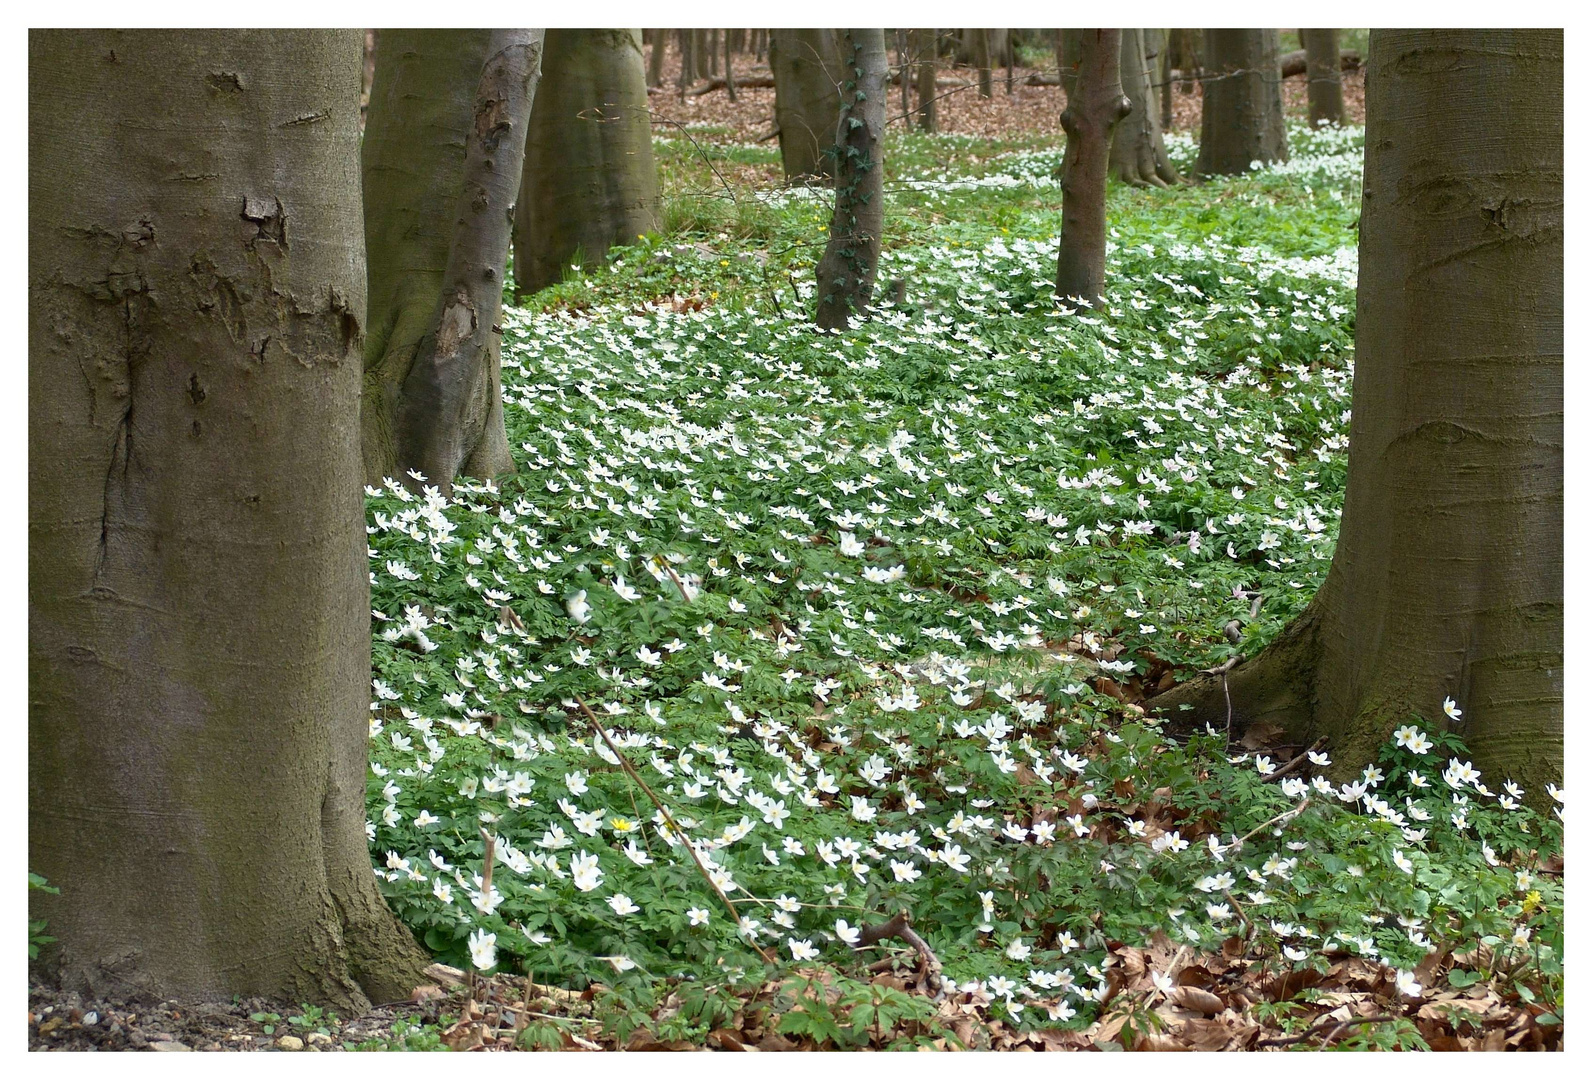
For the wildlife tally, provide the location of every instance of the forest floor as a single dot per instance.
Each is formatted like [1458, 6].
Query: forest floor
[792, 693]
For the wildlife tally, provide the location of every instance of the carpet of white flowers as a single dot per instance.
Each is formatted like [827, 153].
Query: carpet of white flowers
[872, 613]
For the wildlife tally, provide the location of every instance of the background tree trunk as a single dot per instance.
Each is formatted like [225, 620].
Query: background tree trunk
[1165, 68]
[1187, 55]
[590, 181]
[1138, 153]
[702, 52]
[925, 46]
[981, 58]
[904, 64]
[426, 238]
[1448, 579]
[850, 263]
[729, 67]
[1241, 121]
[1069, 53]
[659, 49]
[198, 600]
[687, 61]
[807, 73]
[1094, 107]
[1325, 93]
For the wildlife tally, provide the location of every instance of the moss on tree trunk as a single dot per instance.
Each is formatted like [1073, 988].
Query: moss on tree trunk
[1448, 578]
[198, 600]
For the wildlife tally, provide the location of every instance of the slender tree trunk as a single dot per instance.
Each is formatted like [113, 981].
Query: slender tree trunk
[711, 47]
[1448, 579]
[702, 51]
[687, 61]
[432, 401]
[1323, 69]
[928, 64]
[198, 600]
[1138, 153]
[807, 73]
[1094, 107]
[850, 263]
[1009, 54]
[759, 44]
[1241, 119]
[660, 46]
[590, 181]
[1166, 80]
[1188, 51]
[1069, 53]
[981, 57]
[904, 66]
[729, 67]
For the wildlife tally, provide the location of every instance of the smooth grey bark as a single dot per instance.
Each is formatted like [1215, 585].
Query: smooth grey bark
[1186, 53]
[590, 181]
[1138, 152]
[198, 599]
[450, 418]
[1095, 105]
[1241, 120]
[925, 46]
[807, 75]
[687, 61]
[1069, 54]
[729, 67]
[1448, 579]
[1165, 67]
[1324, 96]
[441, 160]
[850, 262]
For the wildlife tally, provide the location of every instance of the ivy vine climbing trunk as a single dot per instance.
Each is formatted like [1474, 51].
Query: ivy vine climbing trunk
[590, 181]
[442, 158]
[807, 75]
[1241, 120]
[1138, 151]
[1448, 578]
[850, 262]
[1095, 105]
[198, 599]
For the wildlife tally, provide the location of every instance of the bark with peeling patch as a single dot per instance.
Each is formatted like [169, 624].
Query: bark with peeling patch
[441, 165]
[199, 636]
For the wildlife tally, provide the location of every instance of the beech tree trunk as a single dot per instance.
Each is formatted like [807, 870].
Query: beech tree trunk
[687, 61]
[1165, 67]
[1448, 578]
[198, 599]
[807, 75]
[659, 48]
[850, 262]
[1322, 67]
[1095, 106]
[590, 181]
[437, 228]
[981, 58]
[1241, 121]
[1069, 54]
[729, 67]
[1138, 152]
[925, 45]
[1186, 52]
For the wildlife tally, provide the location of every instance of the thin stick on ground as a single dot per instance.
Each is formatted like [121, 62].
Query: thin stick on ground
[1323, 1025]
[1295, 762]
[685, 839]
[1286, 815]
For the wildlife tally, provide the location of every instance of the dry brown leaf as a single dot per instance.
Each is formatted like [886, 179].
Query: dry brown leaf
[1197, 1000]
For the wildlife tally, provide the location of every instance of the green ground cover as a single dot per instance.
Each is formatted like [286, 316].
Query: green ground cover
[871, 613]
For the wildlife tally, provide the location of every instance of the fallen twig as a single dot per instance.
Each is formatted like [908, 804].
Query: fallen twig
[1278, 820]
[1294, 763]
[630, 770]
[1323, 1025]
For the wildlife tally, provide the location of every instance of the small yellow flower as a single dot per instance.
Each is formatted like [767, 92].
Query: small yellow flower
[1532, 902]
[621, 825]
